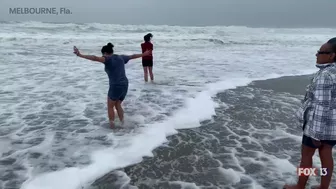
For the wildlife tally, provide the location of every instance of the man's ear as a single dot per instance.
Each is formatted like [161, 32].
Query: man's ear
[333, 55]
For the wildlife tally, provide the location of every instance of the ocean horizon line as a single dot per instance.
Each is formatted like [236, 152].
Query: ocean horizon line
[163, 25]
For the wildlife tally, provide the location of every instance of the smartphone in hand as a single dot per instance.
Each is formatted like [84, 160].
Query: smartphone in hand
[75, 50]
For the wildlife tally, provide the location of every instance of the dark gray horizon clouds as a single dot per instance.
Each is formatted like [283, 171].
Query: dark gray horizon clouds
[252, 13]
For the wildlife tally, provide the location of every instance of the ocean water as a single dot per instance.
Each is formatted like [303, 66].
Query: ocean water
[53, 117]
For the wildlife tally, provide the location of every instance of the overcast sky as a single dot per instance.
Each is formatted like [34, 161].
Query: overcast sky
[255, 13]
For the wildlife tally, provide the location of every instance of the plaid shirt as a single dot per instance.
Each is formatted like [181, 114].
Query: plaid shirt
[318, 109]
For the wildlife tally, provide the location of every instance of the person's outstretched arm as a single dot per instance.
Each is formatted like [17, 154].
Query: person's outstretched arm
[93, 58]
[89, 57]
[126, 58]
[135, 56]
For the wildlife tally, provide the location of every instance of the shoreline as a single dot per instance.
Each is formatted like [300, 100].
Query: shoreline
[174, 152]
[162, 148]
[277, 84]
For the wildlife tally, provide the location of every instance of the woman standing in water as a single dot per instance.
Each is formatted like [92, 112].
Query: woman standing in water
[147, 61]
[115, 69]
[317, 116]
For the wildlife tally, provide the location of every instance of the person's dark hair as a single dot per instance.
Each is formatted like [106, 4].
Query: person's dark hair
[107, 48]
[148, 37]
[332, 42]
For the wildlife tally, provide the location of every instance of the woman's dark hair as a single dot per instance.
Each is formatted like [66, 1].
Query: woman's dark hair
[107, 48]
[332, 43]
[148, 37]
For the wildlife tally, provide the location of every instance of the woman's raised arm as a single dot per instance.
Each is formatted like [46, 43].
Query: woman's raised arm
[89, 57]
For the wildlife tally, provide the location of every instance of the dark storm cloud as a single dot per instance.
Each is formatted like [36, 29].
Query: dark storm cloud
[258, 13]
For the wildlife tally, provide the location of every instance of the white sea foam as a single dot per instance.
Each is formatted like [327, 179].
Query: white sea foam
[185, 185]
[195, 110]
[231, 176]
[54, 109]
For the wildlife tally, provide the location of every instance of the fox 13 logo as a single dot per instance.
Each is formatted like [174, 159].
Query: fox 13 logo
[311, 171]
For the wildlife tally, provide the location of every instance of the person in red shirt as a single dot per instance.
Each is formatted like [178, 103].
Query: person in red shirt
[147, 61]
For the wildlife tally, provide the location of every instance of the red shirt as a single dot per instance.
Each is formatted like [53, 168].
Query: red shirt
[147, 46]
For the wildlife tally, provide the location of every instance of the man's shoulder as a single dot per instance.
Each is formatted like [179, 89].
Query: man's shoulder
[330, 72]
[327, 75]
[332, 69]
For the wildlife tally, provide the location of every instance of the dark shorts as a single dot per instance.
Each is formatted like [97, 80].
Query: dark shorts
[117, 92]
[307, 141]
[147, 63]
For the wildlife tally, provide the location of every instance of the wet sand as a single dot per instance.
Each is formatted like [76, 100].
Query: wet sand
[253, 142]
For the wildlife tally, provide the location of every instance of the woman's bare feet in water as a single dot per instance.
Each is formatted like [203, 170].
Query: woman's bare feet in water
[112, 124]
